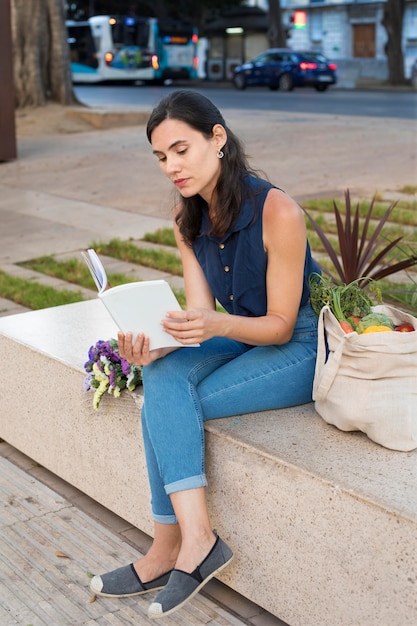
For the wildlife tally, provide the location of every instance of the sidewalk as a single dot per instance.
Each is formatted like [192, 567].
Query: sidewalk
[64, 192]
[53, 536]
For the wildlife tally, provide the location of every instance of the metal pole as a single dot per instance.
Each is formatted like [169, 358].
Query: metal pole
[7, 116]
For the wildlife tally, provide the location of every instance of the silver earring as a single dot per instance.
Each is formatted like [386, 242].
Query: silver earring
[220, 154]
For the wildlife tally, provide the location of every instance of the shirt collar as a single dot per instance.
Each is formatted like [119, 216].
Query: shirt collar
[245, 217]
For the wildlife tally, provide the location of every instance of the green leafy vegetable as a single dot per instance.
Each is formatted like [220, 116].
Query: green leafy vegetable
[343, 300]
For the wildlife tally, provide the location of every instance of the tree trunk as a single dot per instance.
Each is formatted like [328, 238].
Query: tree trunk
[276, 33]
[40, 51]
[393, 23]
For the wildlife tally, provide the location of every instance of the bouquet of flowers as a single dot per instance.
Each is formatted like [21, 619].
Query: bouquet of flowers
[108, 372]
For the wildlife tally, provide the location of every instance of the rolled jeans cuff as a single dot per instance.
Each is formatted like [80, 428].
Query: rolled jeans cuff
[164, 519]
[193, 482]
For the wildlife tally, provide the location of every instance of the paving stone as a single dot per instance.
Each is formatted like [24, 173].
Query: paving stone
[48, 550]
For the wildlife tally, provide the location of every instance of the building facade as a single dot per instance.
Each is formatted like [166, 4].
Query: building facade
[347, 32]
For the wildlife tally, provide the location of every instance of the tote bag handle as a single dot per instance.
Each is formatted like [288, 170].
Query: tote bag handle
[327, 366]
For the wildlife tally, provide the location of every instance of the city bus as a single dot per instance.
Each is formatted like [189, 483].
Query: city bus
[124, 48]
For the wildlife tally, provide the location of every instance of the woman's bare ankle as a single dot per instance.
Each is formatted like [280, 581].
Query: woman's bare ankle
[156, 562]
[163, 553]
[194, 551]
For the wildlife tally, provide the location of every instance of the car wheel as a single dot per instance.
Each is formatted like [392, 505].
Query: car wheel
[321, 87]
[239, 81]
[286, 82]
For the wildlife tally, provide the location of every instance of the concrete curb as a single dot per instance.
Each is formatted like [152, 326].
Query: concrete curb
[103, 119]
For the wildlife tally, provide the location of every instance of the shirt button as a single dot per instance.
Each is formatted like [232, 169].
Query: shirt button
[226, 268]
[221, 246]
[231, 297]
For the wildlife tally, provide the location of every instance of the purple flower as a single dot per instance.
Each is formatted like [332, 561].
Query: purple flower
[125, 367]
[105, 354]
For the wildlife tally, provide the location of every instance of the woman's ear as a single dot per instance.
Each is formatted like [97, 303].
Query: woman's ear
[219, 136]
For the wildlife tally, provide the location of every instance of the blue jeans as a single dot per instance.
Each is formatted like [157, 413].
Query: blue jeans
[221, 378]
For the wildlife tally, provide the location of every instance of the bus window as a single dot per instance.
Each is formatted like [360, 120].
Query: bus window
[129, 36]
[130, 31]
[174, 31]
[81, 45]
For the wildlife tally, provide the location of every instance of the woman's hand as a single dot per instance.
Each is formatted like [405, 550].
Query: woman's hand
[139, 352]
[187, 327]
[192, 326]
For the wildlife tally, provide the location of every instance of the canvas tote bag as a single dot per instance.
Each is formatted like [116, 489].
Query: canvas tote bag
[369, 382]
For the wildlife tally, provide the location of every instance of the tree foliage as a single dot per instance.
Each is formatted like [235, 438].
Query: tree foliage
[40, 52]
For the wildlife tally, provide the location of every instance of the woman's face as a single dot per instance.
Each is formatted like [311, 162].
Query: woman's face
[187, 157]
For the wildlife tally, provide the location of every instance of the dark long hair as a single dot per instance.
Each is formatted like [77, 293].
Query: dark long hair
[201, 114]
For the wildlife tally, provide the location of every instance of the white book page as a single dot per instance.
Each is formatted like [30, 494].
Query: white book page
[140, 307]
[96, 268]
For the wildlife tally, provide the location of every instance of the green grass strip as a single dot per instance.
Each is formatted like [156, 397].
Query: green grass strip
[127, 251]
[162, 236]
[72, 271]
[390, 232]
[34, 295]
[410, 189]
[401, 295]
[404, 213]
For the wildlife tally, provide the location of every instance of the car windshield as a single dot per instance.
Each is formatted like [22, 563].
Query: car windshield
[261, 58]
[313, 56]
[271, 57]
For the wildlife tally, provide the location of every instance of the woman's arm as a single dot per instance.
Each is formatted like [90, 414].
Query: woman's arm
[284, 237]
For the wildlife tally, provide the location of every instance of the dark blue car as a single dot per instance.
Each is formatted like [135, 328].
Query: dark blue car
[285, 69]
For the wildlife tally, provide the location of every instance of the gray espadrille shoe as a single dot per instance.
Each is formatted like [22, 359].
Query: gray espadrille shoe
[124, 582]
[182, 586]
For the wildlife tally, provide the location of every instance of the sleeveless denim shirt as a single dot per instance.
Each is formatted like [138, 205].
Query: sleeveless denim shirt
[235, 264]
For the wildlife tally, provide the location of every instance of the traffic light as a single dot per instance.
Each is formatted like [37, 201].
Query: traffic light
[299, 19]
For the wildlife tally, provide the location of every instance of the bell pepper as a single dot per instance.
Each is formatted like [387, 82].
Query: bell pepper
[404, 328]
[376, 329]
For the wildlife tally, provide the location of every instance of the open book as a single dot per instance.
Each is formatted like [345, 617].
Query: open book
[137, 307]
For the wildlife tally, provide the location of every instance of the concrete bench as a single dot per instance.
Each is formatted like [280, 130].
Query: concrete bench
[323, 523]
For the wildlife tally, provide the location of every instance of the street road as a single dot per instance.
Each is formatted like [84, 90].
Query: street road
[372, 103]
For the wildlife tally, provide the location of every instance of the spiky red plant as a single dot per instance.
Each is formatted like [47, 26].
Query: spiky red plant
[361, 259]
